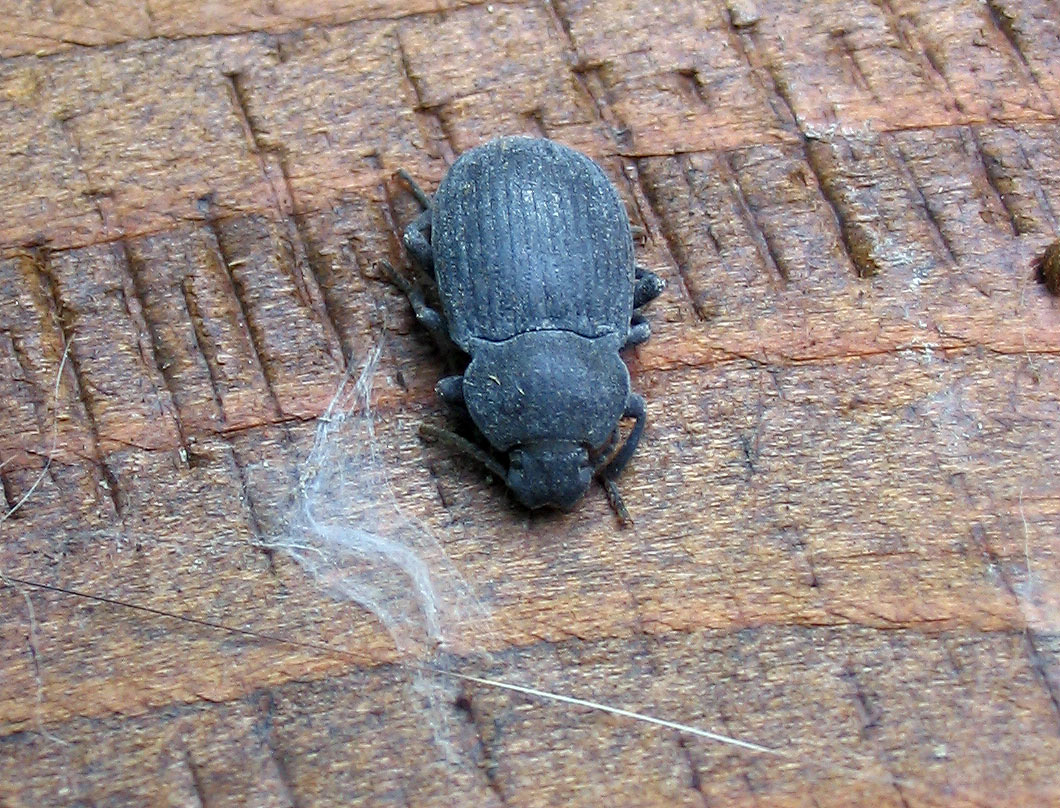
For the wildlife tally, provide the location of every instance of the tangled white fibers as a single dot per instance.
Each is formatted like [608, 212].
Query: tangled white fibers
[347, 532]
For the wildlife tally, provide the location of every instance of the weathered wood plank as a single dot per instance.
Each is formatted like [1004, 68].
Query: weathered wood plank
[42, 30]
[845, 501]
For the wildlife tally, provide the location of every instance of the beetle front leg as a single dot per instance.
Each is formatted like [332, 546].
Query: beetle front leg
[465, 446]
[634, 409]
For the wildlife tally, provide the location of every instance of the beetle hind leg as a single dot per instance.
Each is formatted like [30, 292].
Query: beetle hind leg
[419, 193]
[417, 236]
[648, 287]
[417, 240]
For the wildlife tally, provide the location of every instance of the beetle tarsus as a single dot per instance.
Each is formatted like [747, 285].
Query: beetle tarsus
[619, 460]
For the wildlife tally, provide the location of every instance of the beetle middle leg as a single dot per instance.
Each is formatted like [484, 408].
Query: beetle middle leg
[428, 317]
[451, 390]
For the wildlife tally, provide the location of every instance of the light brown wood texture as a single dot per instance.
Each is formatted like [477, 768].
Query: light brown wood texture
[846, 501]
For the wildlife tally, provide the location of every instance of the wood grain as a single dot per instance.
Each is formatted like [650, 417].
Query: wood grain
[846, 503]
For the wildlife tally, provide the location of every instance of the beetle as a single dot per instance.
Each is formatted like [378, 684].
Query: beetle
[532, 252]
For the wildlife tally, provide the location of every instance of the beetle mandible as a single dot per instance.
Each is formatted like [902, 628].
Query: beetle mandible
[532, 251]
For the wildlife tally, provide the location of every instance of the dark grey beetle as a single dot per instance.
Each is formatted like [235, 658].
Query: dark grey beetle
[531, 248]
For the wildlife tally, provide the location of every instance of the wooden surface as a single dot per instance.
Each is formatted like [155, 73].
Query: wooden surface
[846, 500]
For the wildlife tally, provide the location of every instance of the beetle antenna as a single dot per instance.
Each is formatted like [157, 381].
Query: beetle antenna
[451, 439]
[614, 498]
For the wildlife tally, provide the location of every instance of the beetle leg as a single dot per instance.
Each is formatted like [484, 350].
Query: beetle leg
[418, 242]
[639, 331]
[604, 452]
[413, 186]
[621, 458]
[416, 237]
[614, 496]
[634, 409]
[463, 445]
[451, 389]
[648, 287]
[427, 317]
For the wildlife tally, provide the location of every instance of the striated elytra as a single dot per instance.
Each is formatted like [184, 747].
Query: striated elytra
[532, 252]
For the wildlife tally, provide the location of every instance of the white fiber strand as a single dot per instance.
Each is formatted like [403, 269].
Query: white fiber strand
[347, 531]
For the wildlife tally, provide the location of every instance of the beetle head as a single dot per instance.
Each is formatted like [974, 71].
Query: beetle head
[554, 473]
